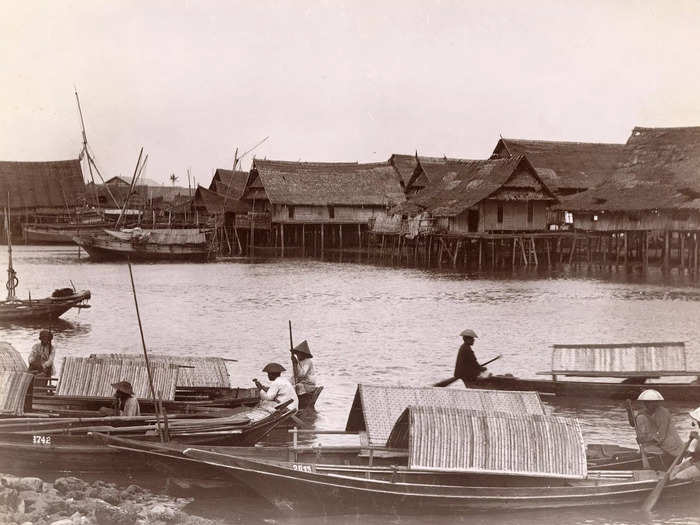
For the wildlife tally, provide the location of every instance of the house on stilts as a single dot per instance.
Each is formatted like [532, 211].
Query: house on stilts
[307, 208]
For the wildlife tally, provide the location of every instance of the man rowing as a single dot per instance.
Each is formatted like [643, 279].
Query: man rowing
[655, 430]
[690, 467]
[279, 391]
[467, 368]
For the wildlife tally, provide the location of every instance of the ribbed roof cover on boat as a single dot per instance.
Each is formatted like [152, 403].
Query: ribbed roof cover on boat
[10, 359]
[376, 408]
[627, 358]
[13, 389]
[449, 439]
[202, 372]
[89, 377]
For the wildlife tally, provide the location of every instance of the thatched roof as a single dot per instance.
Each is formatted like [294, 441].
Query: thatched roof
[407, 168]
[460, 184]
[328, 183]
[662, 172]
[215, 203]
[228, 182]
[38, 185]
[566, 165]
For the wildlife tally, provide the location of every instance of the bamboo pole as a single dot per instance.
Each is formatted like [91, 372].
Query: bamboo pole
[145, 353]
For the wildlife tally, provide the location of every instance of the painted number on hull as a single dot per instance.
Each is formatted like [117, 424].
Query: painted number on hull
[41, 440]
[302, 468]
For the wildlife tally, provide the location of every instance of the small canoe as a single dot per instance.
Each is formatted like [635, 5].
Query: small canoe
[47, 308]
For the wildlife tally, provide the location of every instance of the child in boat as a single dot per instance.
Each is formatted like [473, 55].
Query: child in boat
[128, 404]
[279, 391]
[303, 369]
[690, 467]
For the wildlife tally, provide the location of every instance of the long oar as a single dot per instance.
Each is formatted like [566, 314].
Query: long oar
[449, 381]
[633, 423]
[656, 493]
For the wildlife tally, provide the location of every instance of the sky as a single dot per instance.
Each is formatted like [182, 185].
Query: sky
[335, 80]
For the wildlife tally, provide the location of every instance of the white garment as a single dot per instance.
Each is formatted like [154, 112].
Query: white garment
[306, 379]
[280, 391]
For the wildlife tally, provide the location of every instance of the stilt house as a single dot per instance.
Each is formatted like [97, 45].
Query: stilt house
[41, 191]
[229, 183]
[319, 204]
[566, 167]
[496, 195]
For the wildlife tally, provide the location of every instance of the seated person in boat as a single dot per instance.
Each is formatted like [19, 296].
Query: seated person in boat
[127, 403]
[655, 429]
[279, 391]
[42, 356]
[303, 368]
[467, 367]
[689, 468]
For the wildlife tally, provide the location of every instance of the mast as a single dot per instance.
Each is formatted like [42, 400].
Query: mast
[90, 160]
[12, 280]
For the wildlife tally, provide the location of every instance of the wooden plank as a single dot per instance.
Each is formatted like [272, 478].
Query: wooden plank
[620, 345]
[648, 373]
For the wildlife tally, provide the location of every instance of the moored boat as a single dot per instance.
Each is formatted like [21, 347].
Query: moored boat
[146, 245]
[60, 301]
[436, 460]
[633, 363]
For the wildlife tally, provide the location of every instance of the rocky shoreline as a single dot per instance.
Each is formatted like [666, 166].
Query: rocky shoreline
[72, 501]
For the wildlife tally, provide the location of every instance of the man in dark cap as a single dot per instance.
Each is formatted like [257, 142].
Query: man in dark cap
[42, 355]
[128, 404]
[467, 368]
[280, 389]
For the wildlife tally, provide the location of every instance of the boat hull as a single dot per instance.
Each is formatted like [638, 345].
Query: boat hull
[106, 247]
[49, 308]
[55, 234]
[303, 487]
[589, 389]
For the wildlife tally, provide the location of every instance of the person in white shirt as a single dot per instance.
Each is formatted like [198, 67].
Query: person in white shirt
[279, 391]
[303, 368]
[42, 355]
[690, 467]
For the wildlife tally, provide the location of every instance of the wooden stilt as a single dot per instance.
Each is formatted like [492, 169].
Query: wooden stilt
[573, 249]
[682, 252]
[359, 237]
[323, 241]
[493, 254]
[522, 250]
[695, 254]
[515, 244]
[341, 246]
[282, 237]
[645, 255]
[667, 250]
[549, 255]
[458, 245]
[533, 246]
[480, 252]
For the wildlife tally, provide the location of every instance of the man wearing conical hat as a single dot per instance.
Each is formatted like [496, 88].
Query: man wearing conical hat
[467, 368]
[303, 368]
[690, 467]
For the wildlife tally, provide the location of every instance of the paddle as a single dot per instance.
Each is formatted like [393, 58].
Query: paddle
[656, 493]
[633, 423]
[449, 381]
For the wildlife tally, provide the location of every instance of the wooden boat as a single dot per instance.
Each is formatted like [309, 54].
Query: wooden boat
[422, 471]
[635, 363]
[65, 444]
[146, 245]
[187, 383]
[60, 301]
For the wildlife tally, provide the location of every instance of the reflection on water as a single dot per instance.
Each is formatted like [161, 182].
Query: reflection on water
[368, 324]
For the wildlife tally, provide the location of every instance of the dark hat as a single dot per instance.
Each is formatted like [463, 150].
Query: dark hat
[124, 387]
[302, 348]
[46, 334]
[273, 367]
